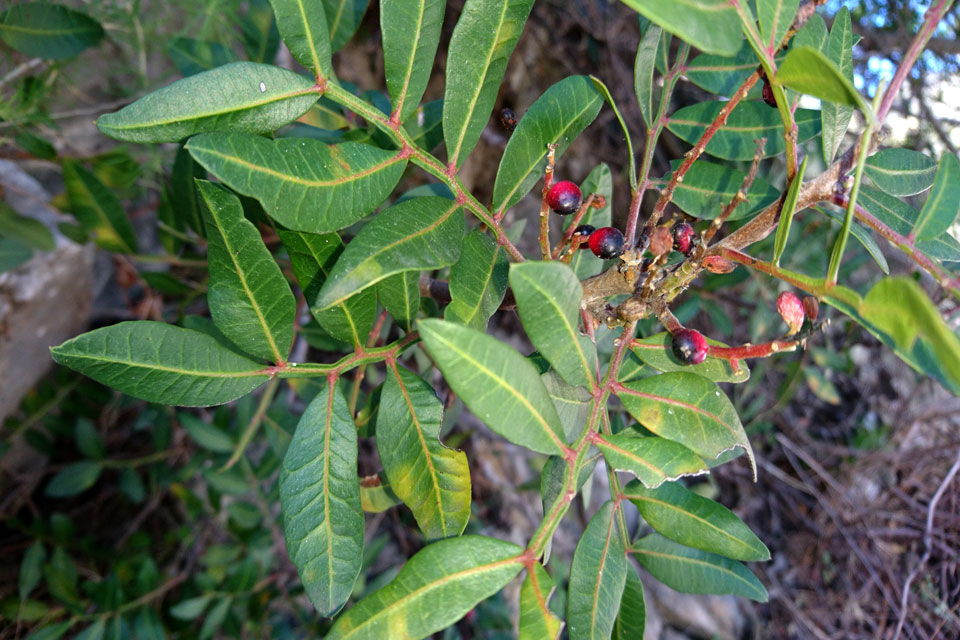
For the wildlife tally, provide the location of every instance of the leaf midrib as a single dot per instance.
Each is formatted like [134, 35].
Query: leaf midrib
[309, 35]
[696, 561]
[157, 367]
[413, 56]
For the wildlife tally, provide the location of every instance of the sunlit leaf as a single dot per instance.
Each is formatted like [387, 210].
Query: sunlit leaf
[709, 25]
[901, 172]
[652, 460]
[943, 204]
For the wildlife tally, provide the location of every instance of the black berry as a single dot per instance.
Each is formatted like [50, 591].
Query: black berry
[508, 119]
[565, 197]
[683, 237]
[584, 230]
[606, 243]
[689, 346]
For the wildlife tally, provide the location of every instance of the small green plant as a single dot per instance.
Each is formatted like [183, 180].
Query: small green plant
[603, 384]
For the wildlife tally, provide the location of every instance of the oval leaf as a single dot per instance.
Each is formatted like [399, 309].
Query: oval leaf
[643, 67]
[632, 617]
[303, 184]
[722, 75]
[652, 460]
[303, 27]
[836, 117]
[415, 235]
[709, 25]
[434, 589]
[683, 516]
[943, 203]
[312, 256]
[901, 172]
[499, 385]
[707, 188]
[482, 42]
[478, 281]
[657, 351]
[73, 479]
[537, 622]
[548, 298]
[775, 18]
[557, 117]
[431, 479]
[161, 363]
[98, 209]
[411, 33]
[320, 498]
[808, 71]
[747, 122]
[688, 409]
[597, 576]
[693, 571]
[44, 30]
[250, 300]
[241, 96]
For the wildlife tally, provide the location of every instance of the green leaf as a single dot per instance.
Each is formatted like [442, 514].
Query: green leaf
[13, 254]
[683, 516]
[89, 441]
[258, 28]
[303, 184]
[722, 75]
[862, 234]
[98, 209]
[893, 212]
[747, 122]
[28, 231]
[943, 203]
[710, 25]
[836, 117]
[597, 576]
[548, 298]
[195, 56]
[313, 256]
[73, 479]
[643, 67]
[901, 172]
[499, 385]
[320, 498]
[482, 42]
[411, 32]
[343, 20]
[558, 116]
[693, 571]
[537, 622]
[652, 460]
[149, 626]
[44, 30]
[808, 71]
[215, 617]
[600, 182]
[775, 17]
[632, 618]
[95, 631]
[707, 188]
[376, 495]
[478, 281]
[572, 403]
[425, 125]
[250, 300]
[182, 190]
[400, 295]
[31, 568]
[51, 632]
[206, 435]
[899, 314]
[434, 589]
[813, 34]
[786, 213]
[161, 363]
[657, 351]
[241, 96]
[415, 235]
[303, 27]
[190, 609]
[431, 479]
[688, 409]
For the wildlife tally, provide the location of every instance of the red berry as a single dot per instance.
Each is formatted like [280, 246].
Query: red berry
[565, 197]
[689, 346]
[683, 237]
[606, 243]
[584, 230]
[791, 310]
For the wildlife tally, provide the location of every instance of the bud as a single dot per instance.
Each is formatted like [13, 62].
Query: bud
[811, 307]
[661, 241]
[791, 310]
[718, 264]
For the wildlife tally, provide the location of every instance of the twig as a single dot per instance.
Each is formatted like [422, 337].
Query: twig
[739, 197]
[927, 544]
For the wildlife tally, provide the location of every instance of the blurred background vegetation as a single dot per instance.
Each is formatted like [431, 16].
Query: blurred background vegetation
[138, 519]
